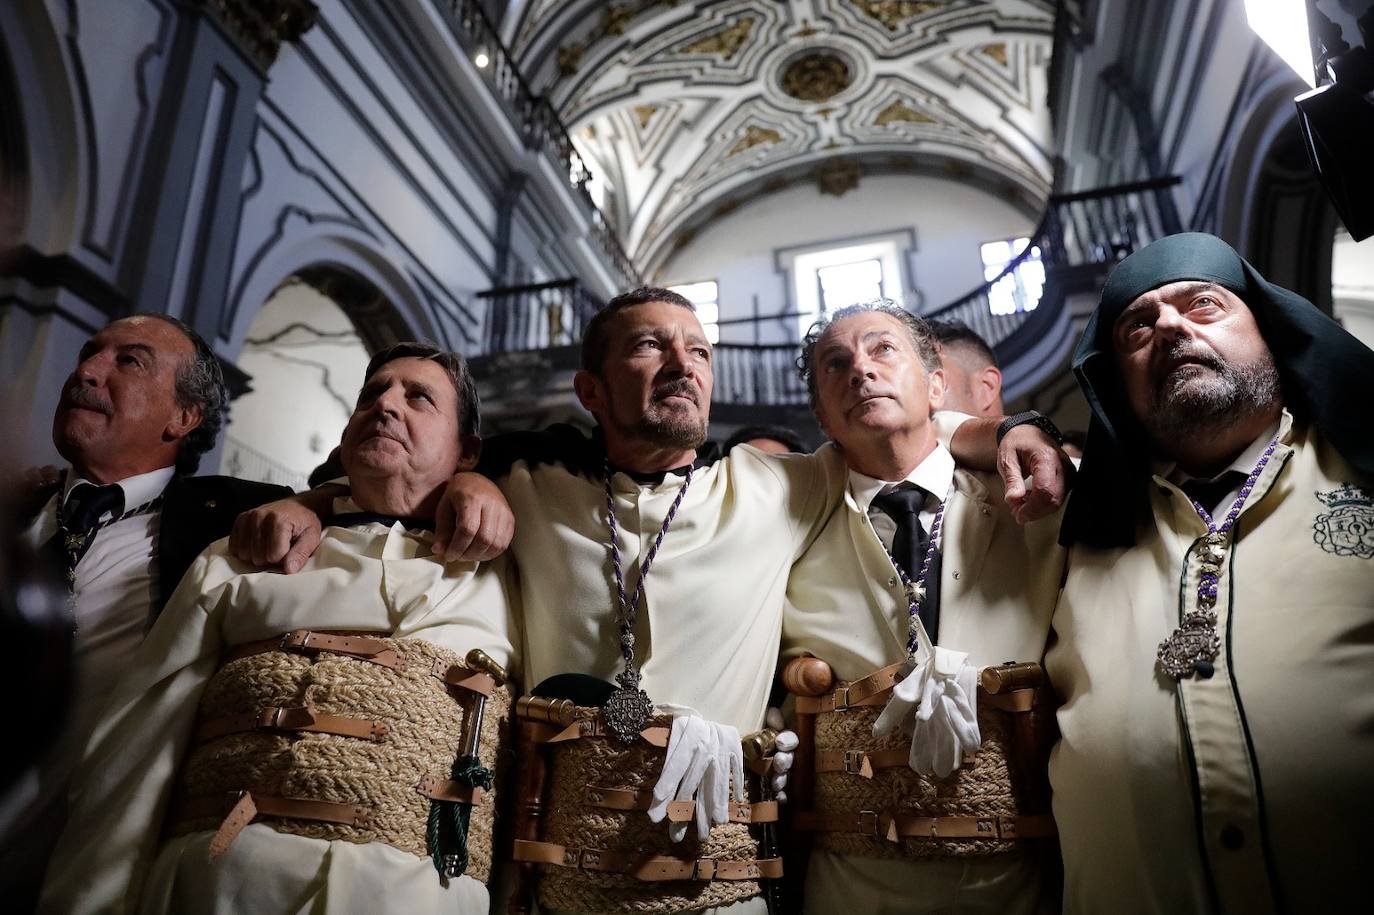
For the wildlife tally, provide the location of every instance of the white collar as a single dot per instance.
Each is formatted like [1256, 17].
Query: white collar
[1243, 464]
[935, 475]
[138, 489]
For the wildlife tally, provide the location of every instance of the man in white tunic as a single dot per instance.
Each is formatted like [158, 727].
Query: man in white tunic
[990, 590]
[413, 428]
[1215, 637]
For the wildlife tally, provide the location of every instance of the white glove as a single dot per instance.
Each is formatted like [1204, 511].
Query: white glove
[785, 745]
[703, 757]
[937, 701]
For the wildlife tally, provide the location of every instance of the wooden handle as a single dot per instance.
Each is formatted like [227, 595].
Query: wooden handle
[477, 659]
[808, 676]
[529, 811]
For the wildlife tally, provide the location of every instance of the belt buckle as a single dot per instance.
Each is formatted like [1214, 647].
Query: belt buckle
[854, 762]
[704, 869]
[296, 639]
[988, 828]
[840, 699]
[868, 823]
[270, 717]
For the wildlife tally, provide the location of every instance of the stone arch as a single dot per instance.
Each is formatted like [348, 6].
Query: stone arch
[383, 303]
[42, 137]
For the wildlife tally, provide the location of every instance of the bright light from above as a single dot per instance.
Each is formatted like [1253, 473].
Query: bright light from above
[481, 60]
[1282, 24]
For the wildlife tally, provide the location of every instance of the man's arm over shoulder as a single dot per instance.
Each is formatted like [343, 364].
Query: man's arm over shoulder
[811, 486]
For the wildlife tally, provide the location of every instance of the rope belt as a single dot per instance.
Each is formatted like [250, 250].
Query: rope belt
[649, 868]
[882, 825]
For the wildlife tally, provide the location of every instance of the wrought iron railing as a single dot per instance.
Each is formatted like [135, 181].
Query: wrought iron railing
[247, 463]
[1097, 227]
[765, 375]
[536, 316]
[535, 120]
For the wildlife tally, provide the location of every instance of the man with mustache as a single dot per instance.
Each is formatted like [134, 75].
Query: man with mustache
[921, 565]
[294, 742]
[124, 521]
[1215, 636]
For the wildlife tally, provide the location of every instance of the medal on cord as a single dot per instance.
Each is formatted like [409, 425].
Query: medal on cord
[629, 708]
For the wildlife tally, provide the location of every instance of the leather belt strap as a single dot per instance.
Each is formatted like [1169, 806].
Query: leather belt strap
[870, 690]
[594, 727]
[456, 675]
[296, 718]
[306, 641]
[906, 826]
[678, 811]
[446, 789]
[863, 763]
[243, 807]
[646, 867]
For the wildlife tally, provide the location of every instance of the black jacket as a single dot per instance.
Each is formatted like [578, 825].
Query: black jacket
[196, 511]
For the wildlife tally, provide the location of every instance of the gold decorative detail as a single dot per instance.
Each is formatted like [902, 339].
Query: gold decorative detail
[725, 42]
[806, 30]
[644, 113]
[615, 18]
[773, 185]
[589, 131]
[825, 112]
[838, 177]
[893, 14]
[898, 112]
[958, 170]
[816, 77]
[726, 208]
[832, 143]
[260, 27]
[570, 58]
[754, 136]
[997, 51]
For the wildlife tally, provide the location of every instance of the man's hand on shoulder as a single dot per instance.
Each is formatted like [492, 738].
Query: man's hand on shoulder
[473, 522]
[281, 534]
[1036, 472]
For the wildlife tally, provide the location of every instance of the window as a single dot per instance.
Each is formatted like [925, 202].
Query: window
[705, 295]
[1019, 290]
[829, 279]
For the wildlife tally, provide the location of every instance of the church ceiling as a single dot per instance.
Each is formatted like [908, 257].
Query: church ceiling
[687, 108]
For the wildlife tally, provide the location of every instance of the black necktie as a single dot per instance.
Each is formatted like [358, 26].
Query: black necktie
[1209, 493]
[79, 518]
[909, 547]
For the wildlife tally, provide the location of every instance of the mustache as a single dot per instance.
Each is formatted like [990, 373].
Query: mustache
[85, 398]
[1202, 356]
[680, 388]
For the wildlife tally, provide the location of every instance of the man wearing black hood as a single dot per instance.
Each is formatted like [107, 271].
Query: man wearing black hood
[1215, 636]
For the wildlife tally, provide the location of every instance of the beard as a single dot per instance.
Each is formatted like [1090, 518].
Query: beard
[1206, 399]
[666, 426]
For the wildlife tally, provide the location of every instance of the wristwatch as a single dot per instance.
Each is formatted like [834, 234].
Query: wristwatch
[1032, 418]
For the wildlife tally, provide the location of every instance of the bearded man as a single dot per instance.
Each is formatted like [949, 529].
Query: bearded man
[1215, 636]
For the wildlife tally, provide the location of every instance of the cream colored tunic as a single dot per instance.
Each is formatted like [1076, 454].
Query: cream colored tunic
[846, 605]
[708, 628]
[1251, 791]
[370, 578]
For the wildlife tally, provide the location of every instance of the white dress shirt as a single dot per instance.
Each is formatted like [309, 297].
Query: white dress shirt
[935, 475]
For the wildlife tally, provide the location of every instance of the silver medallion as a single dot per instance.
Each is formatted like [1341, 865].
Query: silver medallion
[627, 711]
[1195, 642]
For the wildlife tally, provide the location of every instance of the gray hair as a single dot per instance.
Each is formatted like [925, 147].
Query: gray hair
[199, 382]
[918, 329]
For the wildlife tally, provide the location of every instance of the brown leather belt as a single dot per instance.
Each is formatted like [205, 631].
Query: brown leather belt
[904, 826]
[678, 811]
[361, 648]
[646, 867]
[293, 718]
[874, 690]
[593, 727]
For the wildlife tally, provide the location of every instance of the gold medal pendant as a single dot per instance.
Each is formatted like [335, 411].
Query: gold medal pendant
[1192, 647]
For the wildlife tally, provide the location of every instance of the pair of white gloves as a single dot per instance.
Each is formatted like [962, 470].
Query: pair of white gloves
[937, 700]
[704, 761]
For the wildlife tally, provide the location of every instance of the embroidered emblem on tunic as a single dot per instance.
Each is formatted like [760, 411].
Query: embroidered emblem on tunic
[1348, 528]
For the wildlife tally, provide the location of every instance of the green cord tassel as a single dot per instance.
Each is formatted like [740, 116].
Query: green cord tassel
[447, 830]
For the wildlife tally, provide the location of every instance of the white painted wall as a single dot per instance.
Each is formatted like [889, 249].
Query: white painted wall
[291, 417]
[950, 220]
[1352, 286]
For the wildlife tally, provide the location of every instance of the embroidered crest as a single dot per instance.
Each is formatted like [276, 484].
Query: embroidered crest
[1348, 528]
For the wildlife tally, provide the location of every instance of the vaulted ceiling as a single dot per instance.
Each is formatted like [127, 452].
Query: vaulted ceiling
[689, 108]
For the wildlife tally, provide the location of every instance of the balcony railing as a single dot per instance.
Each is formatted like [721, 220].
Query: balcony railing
[1097, 227]
[765, 375]
[535, 120]
[537, 316]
